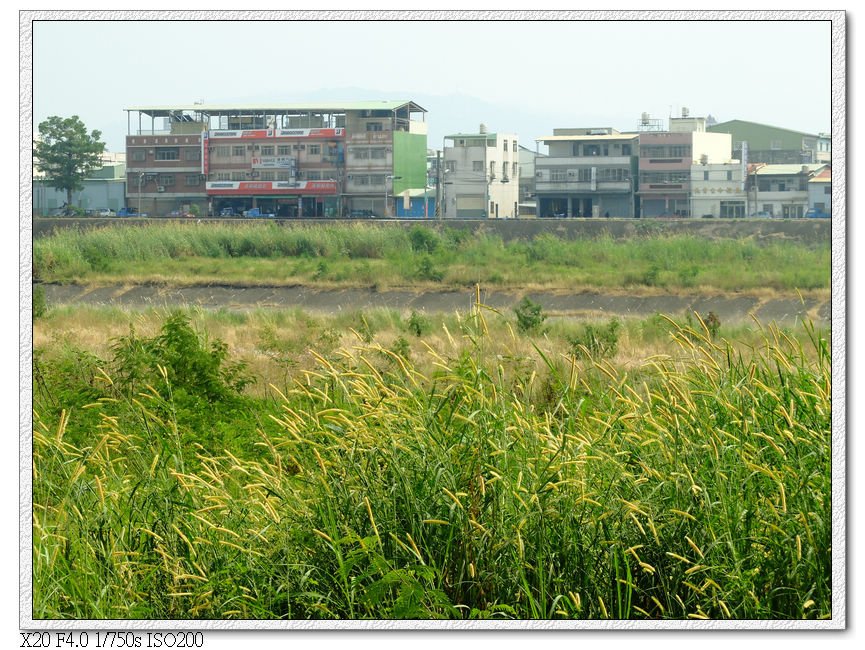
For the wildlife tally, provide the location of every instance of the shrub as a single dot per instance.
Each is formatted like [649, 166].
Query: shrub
[423, 240]
[530, 316]
[39, 305]
[427, 271]
[418, 324]
[597, 341]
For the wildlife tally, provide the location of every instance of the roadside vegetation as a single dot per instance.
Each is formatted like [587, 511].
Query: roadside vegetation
[419, 256]
[381, 464]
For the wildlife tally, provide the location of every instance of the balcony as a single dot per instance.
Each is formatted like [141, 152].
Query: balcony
[583, 161]
[371, 137]
[583, 187]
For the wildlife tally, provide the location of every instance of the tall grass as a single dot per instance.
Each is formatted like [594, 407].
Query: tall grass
[486, 486]
[369, 254]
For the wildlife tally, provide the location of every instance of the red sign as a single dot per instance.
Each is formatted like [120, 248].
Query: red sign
[205, 154]
[249, 188]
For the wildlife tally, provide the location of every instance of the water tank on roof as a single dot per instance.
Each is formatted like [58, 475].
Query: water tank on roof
[644, 120]
[483, 128]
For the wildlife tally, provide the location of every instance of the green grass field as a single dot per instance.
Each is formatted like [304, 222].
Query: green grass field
[370, 255]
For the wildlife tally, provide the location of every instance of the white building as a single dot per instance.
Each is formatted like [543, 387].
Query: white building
[782, 190]
[480, 178]
[820, 192]
[718, 190]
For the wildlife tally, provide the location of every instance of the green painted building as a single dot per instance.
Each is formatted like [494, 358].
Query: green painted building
[775, 145]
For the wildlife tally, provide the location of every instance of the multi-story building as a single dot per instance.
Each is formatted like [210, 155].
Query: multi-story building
[718, 190]
[527, 186]
[782, 190]
[480, 178]
[589, 172]
[760, 143]
[303, 160]
[666, 161]
[820, 192]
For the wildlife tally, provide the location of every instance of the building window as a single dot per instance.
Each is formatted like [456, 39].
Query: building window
[584, 174]
[139, 155]
[504, 170]
[374, 126]
[223, 176]
[505, 148]
[238, 151]
[591, 150]
[283, 176]
[267, 150]
[193, 180]
[515, 171]
[732, 209]
[167, 153]
[680, 151]
[165, 180]
[729, 175]
[558, 175]
[376, 179]
[477, 165]
[223, 151]
[775, 145]
[314, 149]
[705, 176]
[613, 175]
[313, 175]
[515, 146]
[283, 150]
[626, 150]
[827, 189]
[360, 154]
[492, 169]
[378, 153]
[192, 154]
[450, 165]
[266, 176]
[238, 176]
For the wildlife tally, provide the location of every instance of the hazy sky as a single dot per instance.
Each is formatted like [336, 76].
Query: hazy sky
[550, 73]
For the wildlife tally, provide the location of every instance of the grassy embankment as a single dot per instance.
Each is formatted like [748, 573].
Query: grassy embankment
[468, 468]
[383, 257]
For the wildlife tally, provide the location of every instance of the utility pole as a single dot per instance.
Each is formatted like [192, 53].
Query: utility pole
[438, 210]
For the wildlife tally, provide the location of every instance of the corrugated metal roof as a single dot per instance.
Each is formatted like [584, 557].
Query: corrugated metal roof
[477, 136]
[765, 126]
[785, 170]
[565, 138]
[824, 176]
[385, 104]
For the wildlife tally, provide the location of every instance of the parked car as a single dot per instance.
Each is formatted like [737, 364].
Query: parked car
[227, 212]
[814, 213]
[362, 214]
[130, 212]
[763, 215]
[106, 213]
[256, 213]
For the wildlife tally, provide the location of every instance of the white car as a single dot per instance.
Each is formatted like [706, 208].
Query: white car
[107, 213]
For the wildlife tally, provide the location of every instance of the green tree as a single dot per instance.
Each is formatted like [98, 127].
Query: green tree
[67, 154]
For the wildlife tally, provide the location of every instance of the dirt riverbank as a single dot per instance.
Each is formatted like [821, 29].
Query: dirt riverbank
[736, 308]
